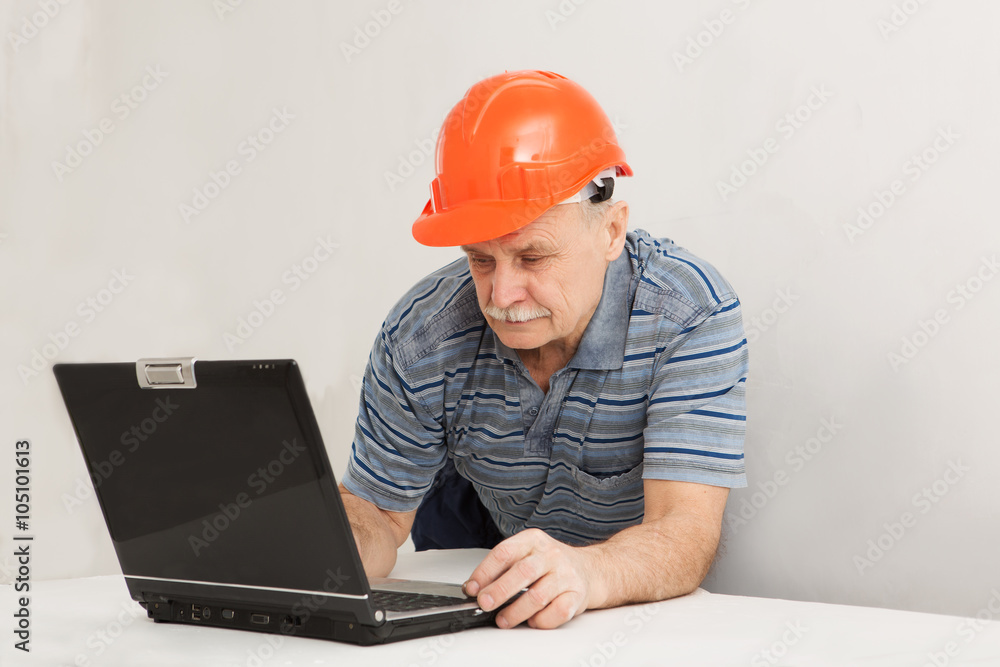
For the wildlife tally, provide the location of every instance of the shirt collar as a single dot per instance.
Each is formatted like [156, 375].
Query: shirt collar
[602, 346]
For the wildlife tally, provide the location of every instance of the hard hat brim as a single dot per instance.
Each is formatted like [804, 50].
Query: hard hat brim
[475, 222]
[484, 220]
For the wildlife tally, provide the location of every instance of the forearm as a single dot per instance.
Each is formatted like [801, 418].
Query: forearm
[667, 555]
[652, 561]
[373, 533]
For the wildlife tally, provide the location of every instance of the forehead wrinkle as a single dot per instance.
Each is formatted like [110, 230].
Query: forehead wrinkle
[511, 245]
[542, 236]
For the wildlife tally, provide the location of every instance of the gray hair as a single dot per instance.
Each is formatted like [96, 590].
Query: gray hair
[593, 214]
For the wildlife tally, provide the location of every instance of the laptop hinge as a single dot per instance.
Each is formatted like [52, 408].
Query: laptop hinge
[166, 373]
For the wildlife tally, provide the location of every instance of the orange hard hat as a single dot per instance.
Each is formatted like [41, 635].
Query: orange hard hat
[513, 147]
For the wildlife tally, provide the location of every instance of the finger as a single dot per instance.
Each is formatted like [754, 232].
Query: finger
[519, 576]
[563, 608]
[498, 561]
[532, 601]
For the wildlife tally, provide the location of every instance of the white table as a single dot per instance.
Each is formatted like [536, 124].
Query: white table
[94, 622]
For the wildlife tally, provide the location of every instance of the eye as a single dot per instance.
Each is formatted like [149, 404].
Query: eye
[478, 262]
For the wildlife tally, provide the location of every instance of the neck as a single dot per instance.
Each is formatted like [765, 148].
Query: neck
[541, 368]
[543, 361]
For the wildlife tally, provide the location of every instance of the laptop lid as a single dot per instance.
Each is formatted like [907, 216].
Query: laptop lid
[215, 484]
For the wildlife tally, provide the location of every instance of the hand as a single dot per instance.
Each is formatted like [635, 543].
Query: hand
[559, 579]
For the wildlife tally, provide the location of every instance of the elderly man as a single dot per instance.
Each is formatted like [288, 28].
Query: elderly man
[583, 383]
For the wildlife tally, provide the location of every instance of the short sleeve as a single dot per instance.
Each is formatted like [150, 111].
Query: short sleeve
[696, 415]
[398, 444]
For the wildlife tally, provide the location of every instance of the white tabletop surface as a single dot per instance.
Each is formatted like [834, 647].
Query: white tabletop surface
[94, 622]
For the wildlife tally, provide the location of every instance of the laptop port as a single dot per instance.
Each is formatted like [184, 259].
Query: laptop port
[260, 619]
[228, 614]
[195, 612]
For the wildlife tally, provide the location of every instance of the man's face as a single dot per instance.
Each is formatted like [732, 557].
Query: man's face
[541, 283]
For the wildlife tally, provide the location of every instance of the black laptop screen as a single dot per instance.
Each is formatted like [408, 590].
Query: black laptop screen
[227, 482]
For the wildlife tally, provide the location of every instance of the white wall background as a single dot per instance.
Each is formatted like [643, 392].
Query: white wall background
[847, 298]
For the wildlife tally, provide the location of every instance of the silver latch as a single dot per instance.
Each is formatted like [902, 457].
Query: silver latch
[167, 373]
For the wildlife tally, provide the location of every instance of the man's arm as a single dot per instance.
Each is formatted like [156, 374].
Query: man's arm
[377, 532]
[665, 556]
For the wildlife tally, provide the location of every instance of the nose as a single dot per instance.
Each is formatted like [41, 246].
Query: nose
[508, 285]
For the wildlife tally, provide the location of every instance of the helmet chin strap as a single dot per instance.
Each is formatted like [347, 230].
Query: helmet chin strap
[597, 190]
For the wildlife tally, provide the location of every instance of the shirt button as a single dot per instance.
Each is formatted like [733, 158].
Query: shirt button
[533, 411]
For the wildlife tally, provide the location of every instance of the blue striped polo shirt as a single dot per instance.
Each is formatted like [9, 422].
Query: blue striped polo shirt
[655, 390]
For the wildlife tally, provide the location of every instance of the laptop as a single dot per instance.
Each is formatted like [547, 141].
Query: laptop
[223, 508]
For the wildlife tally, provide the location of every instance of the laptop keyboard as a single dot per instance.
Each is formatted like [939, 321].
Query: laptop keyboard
[397, 601]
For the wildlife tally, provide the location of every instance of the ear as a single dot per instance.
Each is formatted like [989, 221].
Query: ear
[616, 225]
